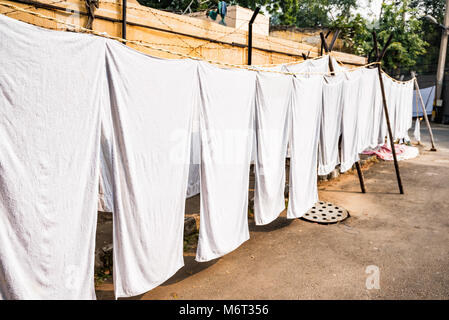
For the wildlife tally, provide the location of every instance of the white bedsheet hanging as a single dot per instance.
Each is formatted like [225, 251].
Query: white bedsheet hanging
[328, 153]
[405, 106]
[376, 138]
[350, 109]
[226, 129]
[313, 66]
[305, 127]
[152, 103]
[389, 94]
[193, 186]
[366, 108]
[106, 194]
[273, 98]
[397, 111]
[50, 100]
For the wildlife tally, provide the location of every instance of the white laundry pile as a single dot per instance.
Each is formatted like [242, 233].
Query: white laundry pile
[151, 152]
[331, 115]
[226, 129]
[350, 97]
[305, 122]
[273, 99]
[403, 152]
[50, 101]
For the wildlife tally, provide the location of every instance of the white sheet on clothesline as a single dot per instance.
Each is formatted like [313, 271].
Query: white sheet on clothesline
[152, 103]
[312, 66]
[106, 194]
[305, 127]
[226, 129]
[390, 93]
[377, 137]
[273, 99]
[366, 108]
[50, 100]
[428, 95]
[350, 99]
[405, 108]
[193, 186]
[328, 153]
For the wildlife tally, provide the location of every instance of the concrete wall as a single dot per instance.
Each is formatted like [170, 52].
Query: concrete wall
[178, 33]
[310, 36]
[238, 17]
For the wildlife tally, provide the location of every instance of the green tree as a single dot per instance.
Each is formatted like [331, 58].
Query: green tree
[399, 17]
[173, 5]
[432, 34]
[408, 38]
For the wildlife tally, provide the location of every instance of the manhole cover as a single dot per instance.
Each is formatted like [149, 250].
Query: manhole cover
[326, 212]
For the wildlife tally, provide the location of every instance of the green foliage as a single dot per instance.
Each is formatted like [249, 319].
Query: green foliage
[355, 33]
[407, 44]
[431, 34]
[173, 5]
[399, 17]
[308, 13]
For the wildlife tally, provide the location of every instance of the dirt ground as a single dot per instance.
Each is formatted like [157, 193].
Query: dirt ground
[405, 236]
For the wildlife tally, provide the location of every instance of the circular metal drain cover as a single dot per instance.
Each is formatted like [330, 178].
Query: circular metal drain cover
[326, 212]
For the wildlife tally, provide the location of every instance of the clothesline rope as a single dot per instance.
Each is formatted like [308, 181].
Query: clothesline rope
[80, 29]
[397, 81]
[171, 16]
[391, 78]
[290, 63]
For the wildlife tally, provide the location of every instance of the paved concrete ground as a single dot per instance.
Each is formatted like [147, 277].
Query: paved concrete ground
[405, 236]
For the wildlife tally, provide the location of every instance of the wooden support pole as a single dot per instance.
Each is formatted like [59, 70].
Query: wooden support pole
[323, 42]
[357, 164]
[384, 100]
[417, 112]
[387, 118]
[334, 38]
[423, 107]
